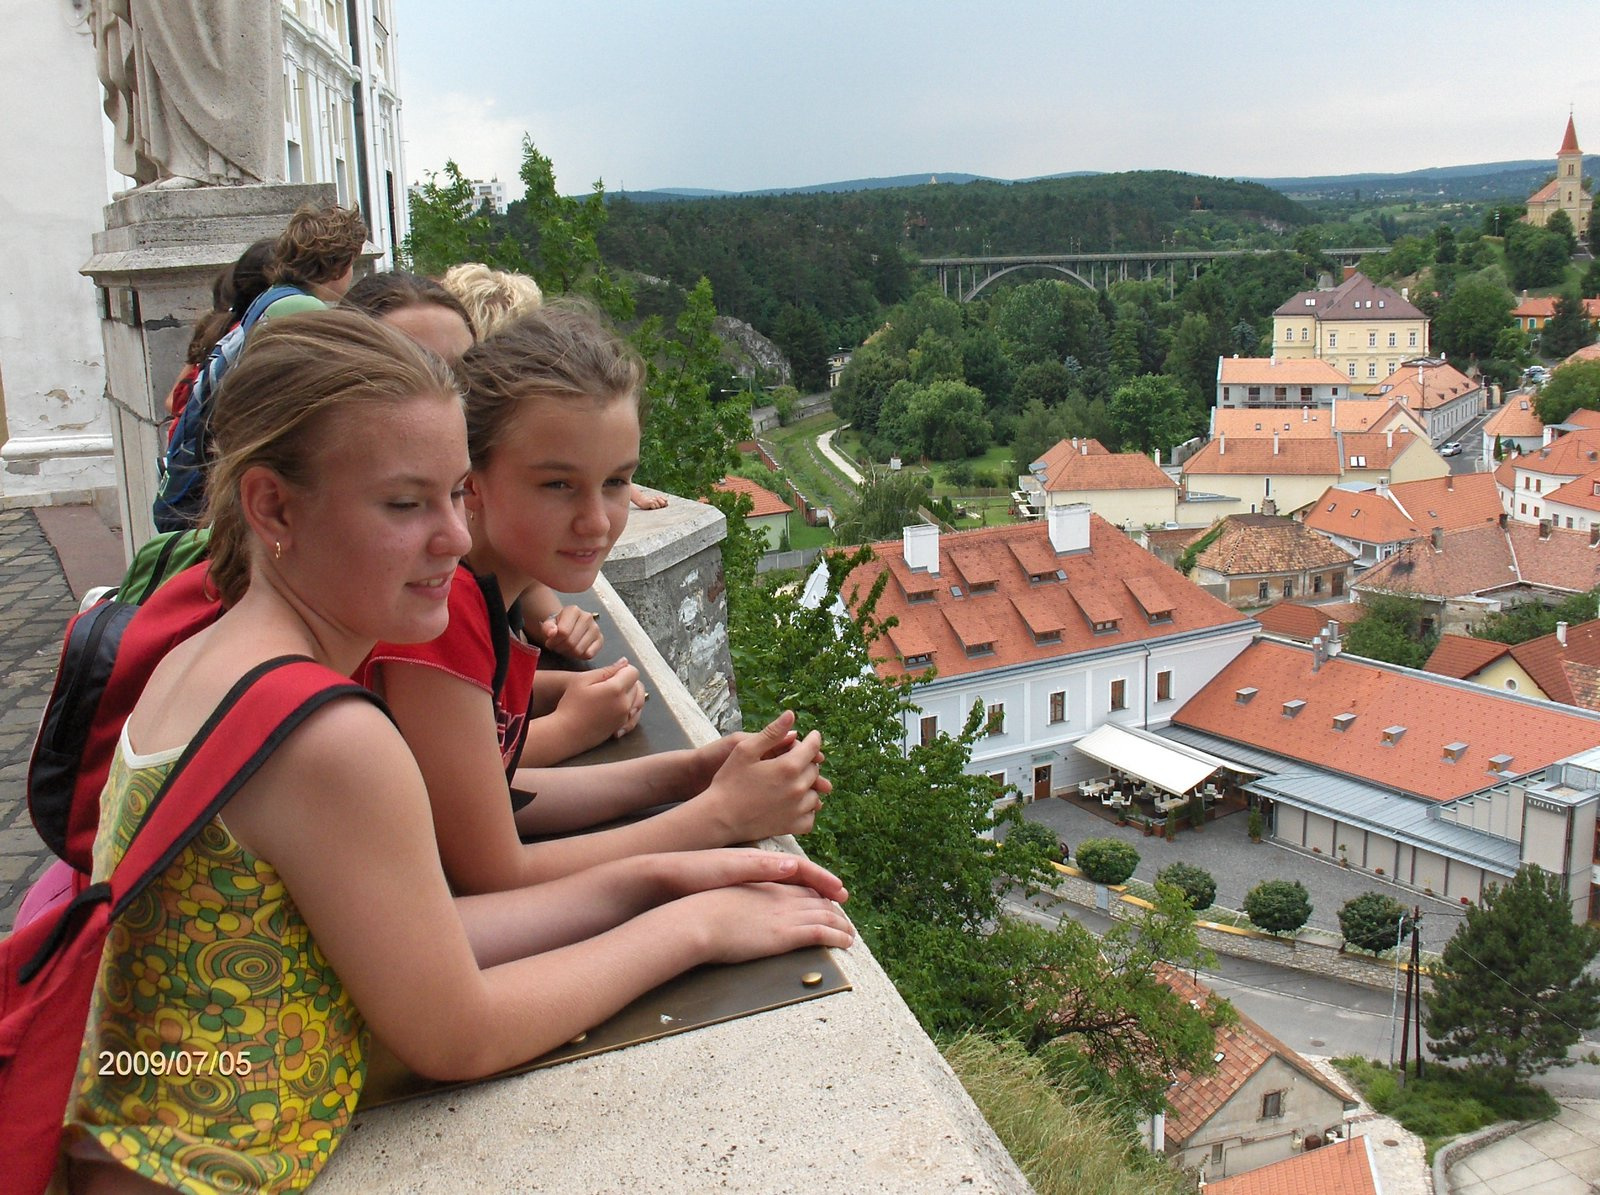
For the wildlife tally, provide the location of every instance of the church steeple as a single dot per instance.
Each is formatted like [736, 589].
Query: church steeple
[1569, 143]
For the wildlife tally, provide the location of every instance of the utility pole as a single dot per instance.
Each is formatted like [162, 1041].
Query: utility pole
[1413, 983]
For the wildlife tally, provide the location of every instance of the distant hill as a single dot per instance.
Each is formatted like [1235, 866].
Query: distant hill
[1484, 180]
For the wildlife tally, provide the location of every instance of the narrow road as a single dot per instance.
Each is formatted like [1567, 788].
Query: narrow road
[825, 446]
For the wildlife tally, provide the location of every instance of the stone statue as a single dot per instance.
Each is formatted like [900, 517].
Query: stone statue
[194, 88]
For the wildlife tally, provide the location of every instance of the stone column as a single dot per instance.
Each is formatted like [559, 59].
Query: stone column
[55, 431]
[668, 568]
[154, 265]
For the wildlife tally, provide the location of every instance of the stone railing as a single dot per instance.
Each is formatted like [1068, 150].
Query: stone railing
[840, 1094]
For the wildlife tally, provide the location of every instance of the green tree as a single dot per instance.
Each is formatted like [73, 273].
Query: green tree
[1537, 256]
[885, 501]
[943, 421]
[1372, 921]
[1278, 906]
[1107, 860]
[1198, 888]
[1046, 382]
[449, 226]
[1522, 621]
[691, 428]
[1036, 837]
[1568, 328]
[1561, 224]
[1151, 412]
[563, 231]
[1594, 228]
[1574, 385]
[1472, 318]
[935, 358]
[1511, 990]
[1590, 284]
[865, 383]
[1390, 629]
[1197, 342]
[801, 335]
[1038, 429]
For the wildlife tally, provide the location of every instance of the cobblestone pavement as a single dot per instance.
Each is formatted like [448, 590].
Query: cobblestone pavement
[1224, 849]
[35, 603]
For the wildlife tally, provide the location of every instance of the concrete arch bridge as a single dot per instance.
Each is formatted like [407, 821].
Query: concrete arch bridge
[965, 278]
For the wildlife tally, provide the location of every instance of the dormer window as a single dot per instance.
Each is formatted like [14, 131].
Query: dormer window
[919, 595]
[1044, 638]
[1158, 616]
[1392, 735]
[1105, 628]
[920, 660]
[1343, 722]
[1243, 696]
[1454, 751]
[975, 650]
[1500, 763]
[983, 587]
[1293, 707]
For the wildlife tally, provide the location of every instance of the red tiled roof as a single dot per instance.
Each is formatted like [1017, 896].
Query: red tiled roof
[1380, 450]
[1589, 352]
[1551, 665]
[1306, 423]
[1483, 559]
[1358, 297]
[1409, 510]
[1583, 416]
[1422, 387]
[1433, 711]
[1255, 455]
[1582, 492]
[1245, 1048]
[1269, 371]
[1090, 467]
[1568, 456]
[1268, 544]
[1544, 193]
[1461, 656]
[1343, 1168]
[1096, 585]
[1297, 620]
[763, 500]
[1569, 143]
[1544, 307]
[1360, 414]
[1516, 418]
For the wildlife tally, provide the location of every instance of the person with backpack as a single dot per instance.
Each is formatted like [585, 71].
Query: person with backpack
[312, 264]
[226, 1037]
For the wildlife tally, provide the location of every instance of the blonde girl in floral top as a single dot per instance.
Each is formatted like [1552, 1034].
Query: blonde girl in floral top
[315, 905]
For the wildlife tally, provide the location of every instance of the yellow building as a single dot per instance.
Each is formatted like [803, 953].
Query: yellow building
[1565, 192]
[1361, 329]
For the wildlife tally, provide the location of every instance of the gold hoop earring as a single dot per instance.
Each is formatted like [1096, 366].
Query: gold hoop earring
[277, 549]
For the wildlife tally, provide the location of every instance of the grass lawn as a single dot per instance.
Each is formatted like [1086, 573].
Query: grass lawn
[795, 447]
[802, 536]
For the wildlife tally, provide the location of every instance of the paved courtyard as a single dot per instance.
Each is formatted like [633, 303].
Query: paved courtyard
[1224, 849]
[1558, 1157]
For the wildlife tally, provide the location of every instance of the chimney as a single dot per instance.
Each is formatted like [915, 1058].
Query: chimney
[1222, 443]
[1450, 483]
[1155, 455]
[1331, 638]
[1391, 437]
[1594, 534]
[1317, 654]
[1502, 520]
[1437, 536]
[1549, 434]
[1349, 273]
[1405, 292]
[1544, 529]
[920, 543]
[1561, 633]
[1069, 527]
[1383, 487]
[1274, 443]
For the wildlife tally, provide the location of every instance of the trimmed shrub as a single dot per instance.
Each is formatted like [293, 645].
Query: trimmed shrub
[1196, 884]
[1106, 860]
[1371, 921]
[1278, 906]
[1033, 836]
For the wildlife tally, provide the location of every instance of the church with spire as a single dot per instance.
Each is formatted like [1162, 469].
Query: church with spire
[1566, 192]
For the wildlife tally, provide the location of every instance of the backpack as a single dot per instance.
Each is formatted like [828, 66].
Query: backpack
[181, 492]
[107, 655]
[160, 557]
[49, 968]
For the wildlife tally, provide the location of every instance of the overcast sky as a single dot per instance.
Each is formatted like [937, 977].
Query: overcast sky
[732, 96]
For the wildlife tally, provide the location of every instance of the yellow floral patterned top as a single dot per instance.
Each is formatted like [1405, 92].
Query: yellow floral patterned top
[222, 1053]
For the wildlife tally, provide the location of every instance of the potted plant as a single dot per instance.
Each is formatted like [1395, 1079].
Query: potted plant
[1172, 826]
[1255, 825]
[1344, 855]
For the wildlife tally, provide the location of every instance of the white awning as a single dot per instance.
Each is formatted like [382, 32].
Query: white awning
[1146, 757]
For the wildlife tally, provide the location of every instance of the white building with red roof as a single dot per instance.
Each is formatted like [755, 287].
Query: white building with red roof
[1372, 523]
[1438, 393]
[1125, 488]
[1363, 330]
[1270, 383]
[1345, 1167]
[1444, 786]
[1057, 629]
[1558, 483]
[1516, 426]
[769, 514]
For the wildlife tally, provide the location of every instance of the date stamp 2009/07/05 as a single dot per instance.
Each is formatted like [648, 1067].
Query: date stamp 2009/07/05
[173, 1062]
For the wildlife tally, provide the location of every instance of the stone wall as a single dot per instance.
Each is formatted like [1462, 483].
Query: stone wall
[668, 568]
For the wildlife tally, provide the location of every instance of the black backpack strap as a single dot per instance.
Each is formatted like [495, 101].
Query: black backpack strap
[499, 628]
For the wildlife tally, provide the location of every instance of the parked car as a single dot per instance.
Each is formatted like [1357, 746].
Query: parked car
[1453, 448]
